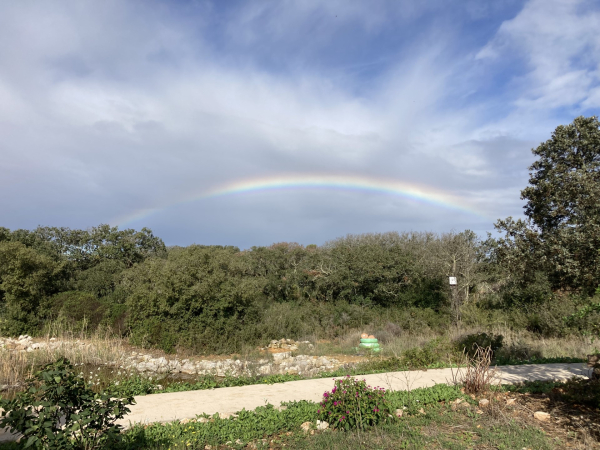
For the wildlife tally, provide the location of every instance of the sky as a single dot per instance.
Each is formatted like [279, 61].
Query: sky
[253, 122]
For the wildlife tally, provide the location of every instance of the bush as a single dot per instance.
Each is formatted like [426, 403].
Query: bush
[58, 411]
[470, 343]
[353, 404]
[433, 353]
[78, 309]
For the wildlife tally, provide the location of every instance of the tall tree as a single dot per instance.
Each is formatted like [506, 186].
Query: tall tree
[561, 234]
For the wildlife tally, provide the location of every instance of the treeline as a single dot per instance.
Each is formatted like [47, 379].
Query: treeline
[215, 298]
[542, 274]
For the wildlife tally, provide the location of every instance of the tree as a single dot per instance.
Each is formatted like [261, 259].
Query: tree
[27, 278]
[561, 235]
[454, 255]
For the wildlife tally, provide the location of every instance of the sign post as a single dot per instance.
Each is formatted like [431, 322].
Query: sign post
[453, 289]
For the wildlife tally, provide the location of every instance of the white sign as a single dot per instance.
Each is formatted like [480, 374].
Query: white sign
[452, 281]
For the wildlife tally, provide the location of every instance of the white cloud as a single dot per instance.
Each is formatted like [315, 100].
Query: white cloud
[559, 43]
[109, 107]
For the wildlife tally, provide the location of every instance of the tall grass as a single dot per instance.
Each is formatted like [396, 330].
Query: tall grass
[81, 348]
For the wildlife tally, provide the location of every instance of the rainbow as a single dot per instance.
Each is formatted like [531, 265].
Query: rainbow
[411, 191]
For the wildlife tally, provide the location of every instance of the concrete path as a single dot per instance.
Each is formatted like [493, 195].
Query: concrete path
[186, 405]
[226, 401]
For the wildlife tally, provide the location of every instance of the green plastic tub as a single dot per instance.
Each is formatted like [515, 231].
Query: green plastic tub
[369, 345]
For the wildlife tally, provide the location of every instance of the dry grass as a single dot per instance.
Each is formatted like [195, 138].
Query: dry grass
[97, 349]
[522, 343]
[477, 377]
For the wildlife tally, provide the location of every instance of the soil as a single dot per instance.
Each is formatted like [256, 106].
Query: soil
[576, 425]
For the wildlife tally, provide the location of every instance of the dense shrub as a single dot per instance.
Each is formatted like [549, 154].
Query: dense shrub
[77, 309]
[470, 343]
[27, 278]
[352, 404]
[434, 352]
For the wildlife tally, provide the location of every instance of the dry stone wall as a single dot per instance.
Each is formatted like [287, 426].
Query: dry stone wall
[279, 361]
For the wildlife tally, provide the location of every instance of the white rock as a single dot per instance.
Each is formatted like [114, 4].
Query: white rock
[541, 416]
[322, 425]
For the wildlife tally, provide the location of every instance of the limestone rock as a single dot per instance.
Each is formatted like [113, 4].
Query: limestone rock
[541, 416]
[306, 426]
[321, 425]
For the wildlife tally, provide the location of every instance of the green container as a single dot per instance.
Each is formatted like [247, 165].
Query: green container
[368, 341]
[371, 345]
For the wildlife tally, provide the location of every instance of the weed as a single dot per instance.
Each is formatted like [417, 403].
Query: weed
[477, 377]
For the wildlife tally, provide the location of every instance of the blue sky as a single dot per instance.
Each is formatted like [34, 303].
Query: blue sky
[110, 109]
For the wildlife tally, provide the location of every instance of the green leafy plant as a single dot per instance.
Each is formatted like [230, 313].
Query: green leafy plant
[353, 404]
[59, 411]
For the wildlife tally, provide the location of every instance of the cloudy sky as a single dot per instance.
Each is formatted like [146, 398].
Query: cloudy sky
[423, 113]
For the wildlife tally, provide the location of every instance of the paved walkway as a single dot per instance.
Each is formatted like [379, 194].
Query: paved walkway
[186, 405]
[182, 405]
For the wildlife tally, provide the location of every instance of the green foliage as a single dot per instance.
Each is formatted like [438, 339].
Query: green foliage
[79, 310]
[26, 279]
[352, 404]
[561, 235]
[587, 318]
[101, 280]
[468, 344]
[197, 298]
[58, 411]
[436, 352]
[247, 426]
[413, 400]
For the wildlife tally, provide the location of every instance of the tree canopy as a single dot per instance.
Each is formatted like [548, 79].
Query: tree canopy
[561, 235]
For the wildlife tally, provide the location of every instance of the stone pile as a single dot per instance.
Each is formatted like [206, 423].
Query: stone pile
[25, 343]
[282, 363]
[278, 362]
[287, 344]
